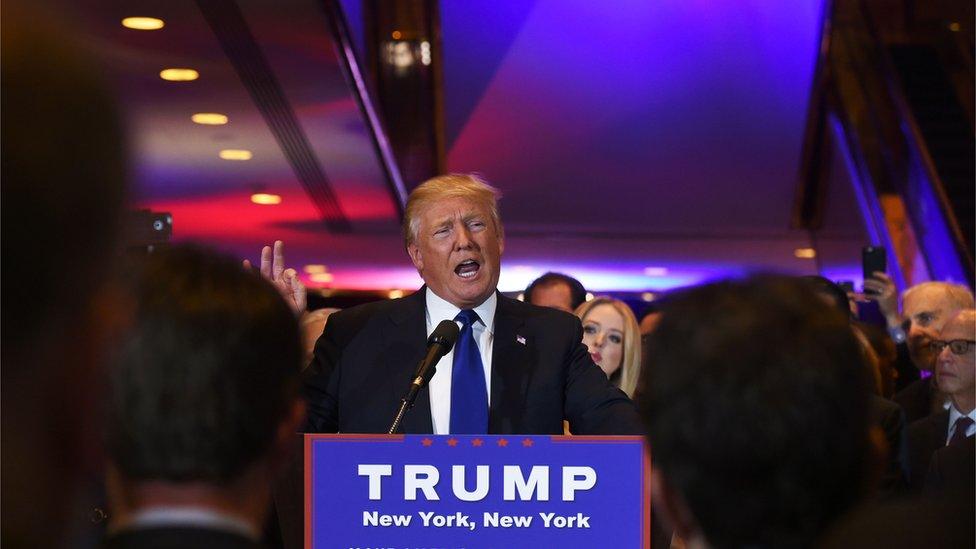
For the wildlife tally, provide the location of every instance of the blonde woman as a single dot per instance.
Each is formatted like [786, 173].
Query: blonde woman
[611, 334]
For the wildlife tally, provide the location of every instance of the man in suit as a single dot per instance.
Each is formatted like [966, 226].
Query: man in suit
[755, 397]
[926, 308]
[956, 376]
[516, 368]
[203, 407]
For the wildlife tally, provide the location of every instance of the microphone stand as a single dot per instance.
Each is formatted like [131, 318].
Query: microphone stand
[407, 401]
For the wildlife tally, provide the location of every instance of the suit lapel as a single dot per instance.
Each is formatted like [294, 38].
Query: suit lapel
[408, 326]
[510, 368]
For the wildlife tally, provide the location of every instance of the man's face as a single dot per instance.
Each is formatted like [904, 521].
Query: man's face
[954, 373]
[457, 251]
[927, 309]
[557, 296]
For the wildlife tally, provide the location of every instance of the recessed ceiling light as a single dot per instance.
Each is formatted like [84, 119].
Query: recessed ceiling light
[315, 269]
[209, 118]
[589, 296]
[805, 253]
[321, 278]
[265, 199]
[143, 23]
[656, 271]
[179, 75]
[395, 294]
[235, 154]
[647, 296]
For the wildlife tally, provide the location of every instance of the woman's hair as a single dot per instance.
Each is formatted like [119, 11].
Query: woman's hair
[630, 362]
[445, 187]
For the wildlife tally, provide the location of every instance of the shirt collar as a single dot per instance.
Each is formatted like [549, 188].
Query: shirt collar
[955, 414]
[202, 517]
[439, 309]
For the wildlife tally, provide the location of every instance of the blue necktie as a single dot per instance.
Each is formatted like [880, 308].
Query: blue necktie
[469, 396]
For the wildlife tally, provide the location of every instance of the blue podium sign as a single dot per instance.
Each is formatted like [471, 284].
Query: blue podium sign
[413, 491]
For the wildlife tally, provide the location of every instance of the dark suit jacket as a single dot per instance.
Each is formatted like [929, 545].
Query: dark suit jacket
[366, 357]
[917, 399]
[925, 436]
[952, 469]
[891, 419]
[178, 538]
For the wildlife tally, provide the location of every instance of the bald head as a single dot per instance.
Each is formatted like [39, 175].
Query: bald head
[956, 372]
[927, 307]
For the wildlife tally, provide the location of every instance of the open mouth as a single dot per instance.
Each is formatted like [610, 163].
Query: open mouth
[467, 268]
[597, 357]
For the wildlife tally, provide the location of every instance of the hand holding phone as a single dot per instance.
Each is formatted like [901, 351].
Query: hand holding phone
[873, 260]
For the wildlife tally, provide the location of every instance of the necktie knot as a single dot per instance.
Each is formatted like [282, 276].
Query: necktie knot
[467, 317]
[962, 425]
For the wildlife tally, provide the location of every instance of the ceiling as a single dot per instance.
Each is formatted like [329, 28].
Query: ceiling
[647, 146]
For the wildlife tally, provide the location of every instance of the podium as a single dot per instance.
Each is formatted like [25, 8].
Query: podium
[475, 491]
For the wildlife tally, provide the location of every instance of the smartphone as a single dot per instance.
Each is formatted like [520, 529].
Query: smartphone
[873, 259]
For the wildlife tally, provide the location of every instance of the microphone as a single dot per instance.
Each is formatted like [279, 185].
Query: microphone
[440, 342]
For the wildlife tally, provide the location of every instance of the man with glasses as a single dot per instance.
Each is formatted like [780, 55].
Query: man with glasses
[925, 309]
[955, 375]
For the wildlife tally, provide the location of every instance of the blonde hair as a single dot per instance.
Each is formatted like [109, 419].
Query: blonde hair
[630, 362]
[443, 187]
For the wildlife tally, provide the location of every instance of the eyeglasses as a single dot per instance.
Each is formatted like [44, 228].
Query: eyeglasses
[957, 346]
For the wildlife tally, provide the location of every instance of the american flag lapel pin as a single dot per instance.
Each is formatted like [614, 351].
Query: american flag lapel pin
[520, 339]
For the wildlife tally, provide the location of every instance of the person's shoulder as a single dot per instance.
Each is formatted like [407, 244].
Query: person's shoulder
[355, 318]
[933, 422]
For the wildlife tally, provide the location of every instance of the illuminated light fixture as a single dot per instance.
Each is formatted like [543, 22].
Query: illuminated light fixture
[179, 75]
[315, 269]
[209, 118]
[521, 297]
[397, 35]
[265, 199]
[425, 52]
[395, 294]
[805, 253]
[235, 154]
[656, 271]
[589, 296]
[321, 278]
[143, 23]
[647, 296]
[954, 27]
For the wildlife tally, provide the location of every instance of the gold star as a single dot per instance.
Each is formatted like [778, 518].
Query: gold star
[502, 442]
[477, 442]
[526, 442]
[427, 442]
[452, 442]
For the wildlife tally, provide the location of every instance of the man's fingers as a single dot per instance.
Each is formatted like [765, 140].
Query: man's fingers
[881, 276]
[298, 292]
[266, 261]
[278, 260]
[246, 264]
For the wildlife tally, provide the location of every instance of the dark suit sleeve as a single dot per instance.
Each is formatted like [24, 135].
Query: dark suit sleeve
[593, 406]
[321, 379]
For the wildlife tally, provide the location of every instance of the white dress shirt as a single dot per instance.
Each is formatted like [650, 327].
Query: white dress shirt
[955, 415]
[484, 335]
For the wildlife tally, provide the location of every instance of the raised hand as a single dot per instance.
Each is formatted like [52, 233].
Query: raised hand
[879, 287]
[286, 280]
